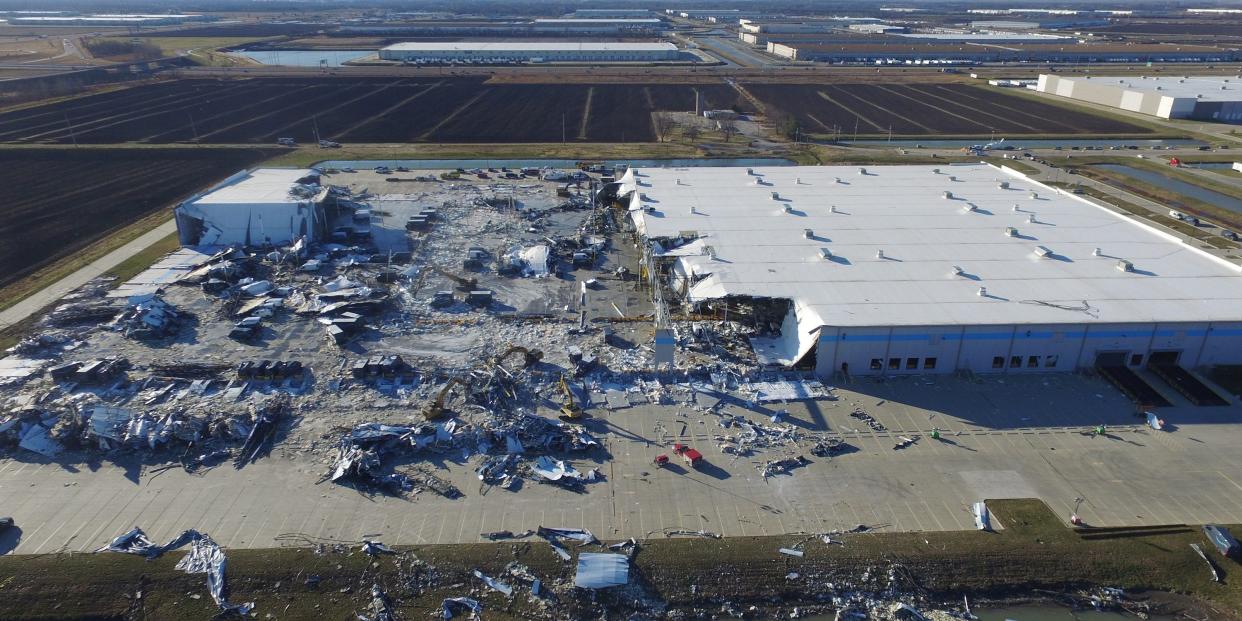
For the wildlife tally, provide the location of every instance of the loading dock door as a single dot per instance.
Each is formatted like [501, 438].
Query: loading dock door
[1111, 359]
[1166, 358]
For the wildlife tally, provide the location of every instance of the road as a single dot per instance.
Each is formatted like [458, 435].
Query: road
[37, 301]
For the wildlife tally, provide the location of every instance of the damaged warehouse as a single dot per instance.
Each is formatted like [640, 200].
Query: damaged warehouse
[264, 206]
[922, 269]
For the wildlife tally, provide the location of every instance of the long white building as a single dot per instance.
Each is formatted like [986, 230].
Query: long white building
[520, 51]
[1206, 98]
[923, 269]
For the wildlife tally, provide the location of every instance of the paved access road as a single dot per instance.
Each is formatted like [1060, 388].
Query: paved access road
[1016, 436]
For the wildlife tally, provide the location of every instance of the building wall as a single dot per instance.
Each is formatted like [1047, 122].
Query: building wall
[1145, 102]
[1019, 349]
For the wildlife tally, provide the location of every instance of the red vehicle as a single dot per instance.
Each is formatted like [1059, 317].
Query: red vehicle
[692, 457]
[661, 461]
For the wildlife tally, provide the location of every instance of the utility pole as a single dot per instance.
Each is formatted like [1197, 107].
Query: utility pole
[71, 133]
[562, 127]
[193, 127]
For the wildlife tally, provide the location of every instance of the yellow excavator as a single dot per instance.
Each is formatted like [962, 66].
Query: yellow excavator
[436, 409]
[570, 410]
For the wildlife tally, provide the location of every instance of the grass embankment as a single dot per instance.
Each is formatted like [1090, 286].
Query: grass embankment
[60, 268]
[1033, 551]
[1174, 200]
[308, 155]
[1158, 218]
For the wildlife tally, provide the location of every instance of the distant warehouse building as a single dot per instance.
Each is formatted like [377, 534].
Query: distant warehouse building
[892, 270]
[1206, 98]
[516, 51]
[104, 20]
[592, 25]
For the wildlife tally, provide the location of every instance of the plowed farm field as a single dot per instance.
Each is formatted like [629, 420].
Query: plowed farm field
[471, 110]
[59, 200]
[927, 110]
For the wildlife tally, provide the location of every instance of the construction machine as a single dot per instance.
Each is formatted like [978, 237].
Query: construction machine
[435, 409]
[570, 410]
[464, 284]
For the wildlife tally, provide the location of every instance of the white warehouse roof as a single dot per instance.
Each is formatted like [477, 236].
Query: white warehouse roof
[1205, 88]
[258, 186]
[752, 244]
[526, 46]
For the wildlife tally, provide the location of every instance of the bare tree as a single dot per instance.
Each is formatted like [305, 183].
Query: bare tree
[663, 123]
[692, 131]
[728, 127]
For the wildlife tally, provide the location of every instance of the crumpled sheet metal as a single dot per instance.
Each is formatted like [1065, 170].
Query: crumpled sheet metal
[205, 557]
[601, 570]
[452, 605]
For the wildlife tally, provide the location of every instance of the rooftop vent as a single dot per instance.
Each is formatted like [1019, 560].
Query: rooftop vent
[1043, 252]
[957, 271]
[825, 253]
[1004, 185]
[1125, 266]
[1011, 231]
[982, 292]
[947, 194]
[808, 233]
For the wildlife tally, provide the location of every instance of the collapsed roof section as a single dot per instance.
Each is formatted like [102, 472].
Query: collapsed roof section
[955, 245]
[256, 207]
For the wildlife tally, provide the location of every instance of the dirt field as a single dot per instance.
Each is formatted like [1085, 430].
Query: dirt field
[927, 109]
[472, 110]
[59, 200]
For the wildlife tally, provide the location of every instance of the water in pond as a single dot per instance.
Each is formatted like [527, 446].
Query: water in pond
[553, 163]
[1178, 186]
[304, 58]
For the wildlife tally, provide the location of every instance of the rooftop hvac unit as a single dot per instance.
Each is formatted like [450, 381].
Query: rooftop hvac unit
[750, 171]
[1097, 252]
[952, 177]
[1016, 207]
[862, 171]
[1011, 231]
[879, 254]
[1043, 252]
[935, 171]
[692, 211]
[982, 292]
[1125, 266]
[1031, 218]
[787, 209]
[825, 253]
[833, 209]
[797, 180]
[947, 194]
[970, 207]
[776, 196]
[1034, 195]
[1004, 185]
[808, 233]
[957, 271]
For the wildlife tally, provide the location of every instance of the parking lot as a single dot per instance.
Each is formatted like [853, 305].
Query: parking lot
[1000, 438]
